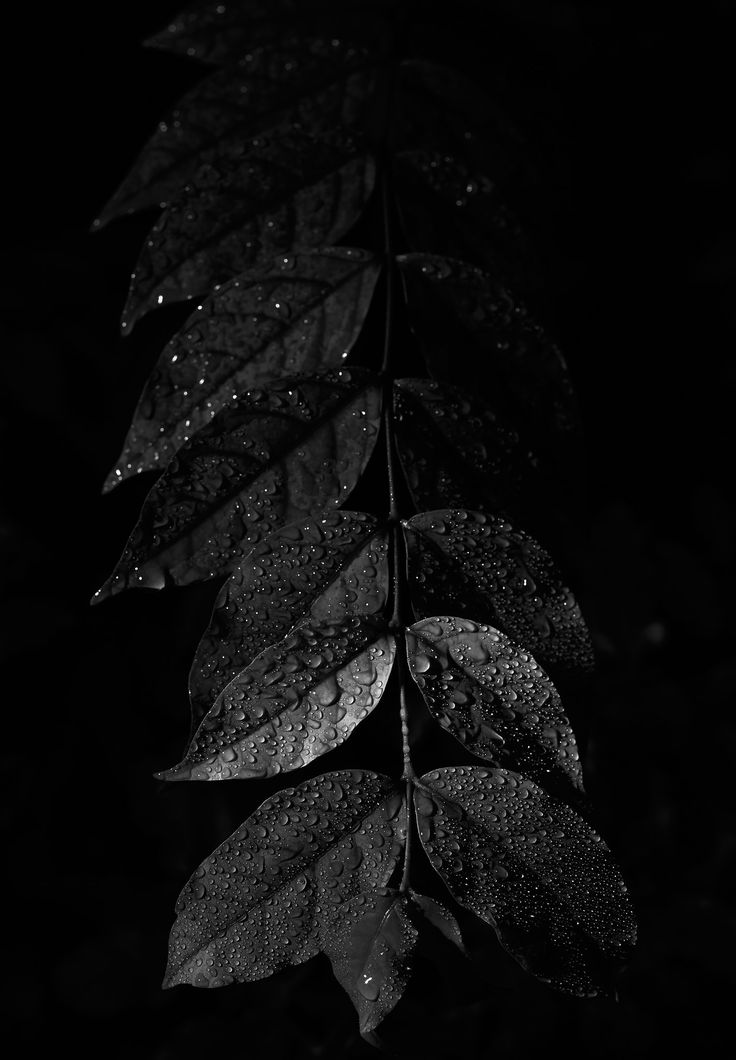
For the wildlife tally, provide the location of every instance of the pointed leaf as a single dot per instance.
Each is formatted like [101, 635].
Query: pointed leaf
[371, 946]
[531, 868]
[469, 324]
[276, 457]
[297, 700]
[493, 697]
[325, 568]
[440, 918]
[258, 197]
[297, 314]
[264, 898]
[456, 452]
[468, 561]
[266, 86]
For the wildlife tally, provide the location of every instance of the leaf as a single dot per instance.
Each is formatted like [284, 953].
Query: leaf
[297, 314]
[258, 197]
[461, 560]
[297, 700]
[263, 899]
[276, 457]
[493, 697]
[440, 918]
[324, 568]
[533, 869]
[469, 324]
[265, 86]
[455, 452]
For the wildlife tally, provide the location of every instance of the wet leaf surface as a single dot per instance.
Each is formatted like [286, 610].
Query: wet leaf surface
[440, 918]
[299, 313]
[266, 86]
[272, 193]
[277, 457]
[265, 897]
[493, 697]
[325, 568]
[463, 561]
[531, 868]
[456, 452]
[297, 700]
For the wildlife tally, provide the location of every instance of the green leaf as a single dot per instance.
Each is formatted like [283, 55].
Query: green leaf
[265, 897]
[492, 696]
[533, 869]
[469, 561]
[325, 568]
[297, 700]
[296, 314]
[277, 457]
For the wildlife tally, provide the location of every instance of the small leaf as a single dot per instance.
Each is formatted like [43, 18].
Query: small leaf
[276, 457]
[297, 700]
[461, 560]
[493, 697]
[264, 899]
[456, 452]
[533, 869]
[371, 946]
[324, 568]
[469, 323]
[440, 918]
[297, 314]
[260, 196]
[266, 85]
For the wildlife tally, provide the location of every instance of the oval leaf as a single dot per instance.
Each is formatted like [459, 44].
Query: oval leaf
[297, 700]
[440, 918]
[493, 698]
[461, 560]
[297, 314]
[533, 869]
[264, 898]
[275, 458]
[325, 568]
[259, 196]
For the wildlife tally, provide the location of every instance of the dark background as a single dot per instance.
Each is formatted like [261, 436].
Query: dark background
[629, 108]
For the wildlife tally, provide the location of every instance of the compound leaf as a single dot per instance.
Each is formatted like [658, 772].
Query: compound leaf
[324, 568]
[264, 899]
[297, 700]
[469, 561]
[493, 697]
[297, 314]
[533, 869]
[276, 457]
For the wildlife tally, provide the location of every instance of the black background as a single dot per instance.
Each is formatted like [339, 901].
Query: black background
[629, 108]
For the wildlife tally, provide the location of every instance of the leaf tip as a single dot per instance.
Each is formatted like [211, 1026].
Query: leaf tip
[182, 771]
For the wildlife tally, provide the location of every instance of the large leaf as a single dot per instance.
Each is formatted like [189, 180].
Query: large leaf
[461, 561]
[276, 457]
[297, 314]
[468, 323]
[493, 697]
[531, 868]
[456, 452]
[324, 568]
[297, 700]
[259, 196]
[265, 897]
[266, 86]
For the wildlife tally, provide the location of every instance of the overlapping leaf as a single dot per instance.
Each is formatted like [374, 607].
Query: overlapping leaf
[493, 697]
[299, 313]
[265, 86]
[531, 868]
[297, 700]
[272, 193]
[325, 568]
[265, 897]
[473, 563]
[468, 323]
[276, 457]
[456, 452]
